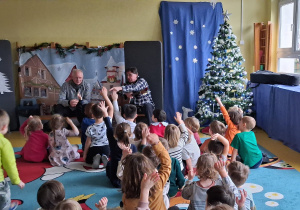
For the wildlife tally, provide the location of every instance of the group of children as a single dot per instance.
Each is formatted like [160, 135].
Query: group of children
[149, 163]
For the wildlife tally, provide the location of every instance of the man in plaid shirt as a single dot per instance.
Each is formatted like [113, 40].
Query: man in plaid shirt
[140, 94]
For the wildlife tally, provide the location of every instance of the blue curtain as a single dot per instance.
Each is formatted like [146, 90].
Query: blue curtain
[188, 32]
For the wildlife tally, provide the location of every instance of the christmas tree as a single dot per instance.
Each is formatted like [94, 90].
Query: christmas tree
[3, 83]
[225, 77]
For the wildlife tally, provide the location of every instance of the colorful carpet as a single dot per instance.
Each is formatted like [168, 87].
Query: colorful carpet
[274, 185]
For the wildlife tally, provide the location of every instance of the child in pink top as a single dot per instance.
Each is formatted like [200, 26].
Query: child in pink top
[158, 127]
[35, 149]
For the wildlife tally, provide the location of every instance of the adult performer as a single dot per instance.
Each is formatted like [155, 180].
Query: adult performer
[140, 94]
[73, 96]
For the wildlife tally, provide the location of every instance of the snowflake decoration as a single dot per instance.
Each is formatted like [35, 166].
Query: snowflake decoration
[195, 60]
[195, 47]
[192, 32]
[192, 22]
[171, 32]
[209, 42]
[213, 3]
[203, 26]
[175, 22]
[176, 59]
[180, 47]
[226, 15]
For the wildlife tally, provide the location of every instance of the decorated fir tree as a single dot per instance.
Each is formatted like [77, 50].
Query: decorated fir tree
[225, 77]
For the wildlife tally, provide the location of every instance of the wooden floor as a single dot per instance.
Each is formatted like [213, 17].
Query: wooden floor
[276, 147]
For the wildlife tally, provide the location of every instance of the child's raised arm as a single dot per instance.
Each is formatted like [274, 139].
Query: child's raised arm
[103, 109]
[147, 183]
[184, 136]
[224, 141]
[74, 128]
[102, 204]
[218, 100]
[110, 110]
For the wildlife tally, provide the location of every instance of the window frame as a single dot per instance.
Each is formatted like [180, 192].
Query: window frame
[289, 52]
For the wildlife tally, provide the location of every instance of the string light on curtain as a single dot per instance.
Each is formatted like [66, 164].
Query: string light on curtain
[213, 3]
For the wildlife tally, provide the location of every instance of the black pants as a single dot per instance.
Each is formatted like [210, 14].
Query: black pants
[65, 111]
[146, 109]
[102, 150]
[111, 173]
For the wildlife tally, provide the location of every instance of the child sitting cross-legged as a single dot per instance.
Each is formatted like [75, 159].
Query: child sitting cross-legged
[135, 166]
[130, 112]
[245, 144]
[177, 138]
[35, 148]
[118, 142]
[208, 171]
[159, 125]
[239, 173]
[232, 119]
[61, 151]
[214, 127]
[190, 151]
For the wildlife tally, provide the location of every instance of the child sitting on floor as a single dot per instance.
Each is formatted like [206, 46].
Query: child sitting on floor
[177, 138]
[135, 166]
[232, 119]
[50, 194]
[193, 124]
[61, 151]
[176, 178]
[97, 146]
[159, 125]
[245, 144]
[8, 162]
[214, 127]
[190, 151]
[208, 168]
[86, 122]
[118, 141]
[130, 112]
[219, 146]
[68, 204]
[239, 173]
[35, 148]
[140, 139]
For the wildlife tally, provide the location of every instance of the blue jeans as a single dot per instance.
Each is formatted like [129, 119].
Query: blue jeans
[4, 195]
[257, 164]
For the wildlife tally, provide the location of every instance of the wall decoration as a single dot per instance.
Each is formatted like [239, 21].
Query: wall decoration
[4, 85]
[43, 70]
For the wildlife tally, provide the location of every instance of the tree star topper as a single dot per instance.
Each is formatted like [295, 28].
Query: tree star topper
[226, 15]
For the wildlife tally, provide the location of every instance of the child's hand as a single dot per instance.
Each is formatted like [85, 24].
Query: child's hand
[30, 117]
[103, 91]
[103, 108]
[191, 174]
[114, 96]
[218, 100]
[126, 151]
[69, 121]
[152, 139]
[241, 202]
[215, 136]
[220, 167]
[102, 204]
[21, 184]
[149, 181]
[145, 133]
[178, 118]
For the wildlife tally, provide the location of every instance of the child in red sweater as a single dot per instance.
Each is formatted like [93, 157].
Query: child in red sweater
[35, 149]
[158, 127]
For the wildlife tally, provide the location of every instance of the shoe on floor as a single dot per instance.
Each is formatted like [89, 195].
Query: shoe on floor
[96, 161]
[104, 160]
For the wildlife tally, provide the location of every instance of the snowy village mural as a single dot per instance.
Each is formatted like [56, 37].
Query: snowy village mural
[42, 73]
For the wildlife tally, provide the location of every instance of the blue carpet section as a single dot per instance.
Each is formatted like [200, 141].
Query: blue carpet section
[277, 178]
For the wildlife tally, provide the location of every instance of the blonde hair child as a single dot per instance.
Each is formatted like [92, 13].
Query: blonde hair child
[135, 166]
[193, 124]
[61, 151]
[177, 138]
[208, 171]
[35, 148]
[8, 163]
